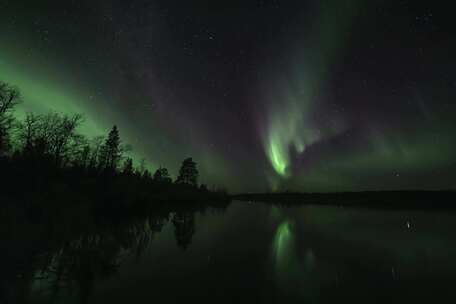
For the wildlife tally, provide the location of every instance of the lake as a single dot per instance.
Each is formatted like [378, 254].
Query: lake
[256, 253]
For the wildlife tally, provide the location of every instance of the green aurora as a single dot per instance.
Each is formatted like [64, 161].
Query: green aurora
[423, 145]
[290, 129]
[290, 113]
[57, 91]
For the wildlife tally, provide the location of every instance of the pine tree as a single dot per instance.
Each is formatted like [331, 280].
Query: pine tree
[111, 152]
[146, 175]
[188, 173]
[128, 166]
[162, 175]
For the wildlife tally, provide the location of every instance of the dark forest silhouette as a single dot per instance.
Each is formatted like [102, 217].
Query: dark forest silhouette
[73, 208]
[46, 154]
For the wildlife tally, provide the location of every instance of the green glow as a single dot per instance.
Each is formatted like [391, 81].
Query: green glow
[290, 268]
[277, 158]
[282, 241]
[44, 90]
[286, 260]
[294, 132]
[422, 147]
[290, 125]
[41, 96]
[47, 85]
[52, 78]
[393, 157]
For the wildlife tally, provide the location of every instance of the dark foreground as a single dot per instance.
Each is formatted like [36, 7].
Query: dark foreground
[240, 253]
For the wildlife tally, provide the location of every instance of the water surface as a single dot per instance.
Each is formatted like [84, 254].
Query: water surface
[260, 253]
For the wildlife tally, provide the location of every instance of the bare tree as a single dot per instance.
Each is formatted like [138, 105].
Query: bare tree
[9, 97]
[51, 134]
[28, 131]
[64, 137]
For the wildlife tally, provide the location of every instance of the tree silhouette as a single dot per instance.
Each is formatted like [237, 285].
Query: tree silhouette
[111, 152]
[141, 168]
[146, 174]
[82, 156]
[54, 185]
[28, 130]
[50, 156]
[9, 97]
[95, 150]
[53, 136]
[128, 166]
[162, 175]
[188, 173]
[64, 138]
[184, 228]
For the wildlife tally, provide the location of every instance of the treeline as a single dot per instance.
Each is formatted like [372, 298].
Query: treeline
[405, 199]
[72, 207]
[46, 152]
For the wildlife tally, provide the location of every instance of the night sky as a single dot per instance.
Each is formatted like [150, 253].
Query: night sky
[264, 95]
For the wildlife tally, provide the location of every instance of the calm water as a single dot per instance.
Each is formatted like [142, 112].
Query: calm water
[263, 254]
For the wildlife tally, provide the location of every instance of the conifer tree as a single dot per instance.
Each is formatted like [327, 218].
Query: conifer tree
[111, 151]
[188, 173]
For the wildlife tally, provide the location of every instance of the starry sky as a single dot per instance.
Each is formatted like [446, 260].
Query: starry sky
[265, 95]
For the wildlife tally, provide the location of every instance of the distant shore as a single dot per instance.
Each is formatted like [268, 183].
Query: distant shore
[378, 199]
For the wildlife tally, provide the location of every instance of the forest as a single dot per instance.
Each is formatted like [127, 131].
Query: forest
[45, 157]
[72, 207]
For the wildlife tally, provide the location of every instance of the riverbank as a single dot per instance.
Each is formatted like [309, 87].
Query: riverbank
[369, 199]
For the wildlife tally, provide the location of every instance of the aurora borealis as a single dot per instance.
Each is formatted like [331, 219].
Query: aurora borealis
[264, 95]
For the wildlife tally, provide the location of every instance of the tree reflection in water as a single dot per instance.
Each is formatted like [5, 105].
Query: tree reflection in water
[184, 228]
[42, 263]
